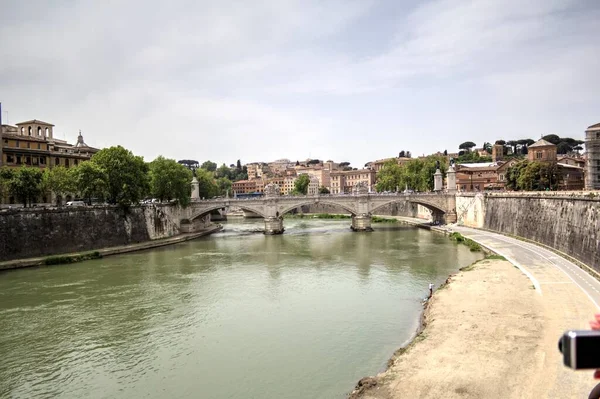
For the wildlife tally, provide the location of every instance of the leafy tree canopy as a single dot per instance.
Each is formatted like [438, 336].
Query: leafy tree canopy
[208, 165]
[60, 181]
[26, 185]
[170, 180]
[91, 181]
[301, 184]
[128, 180]
[467, 145]
[323, 190]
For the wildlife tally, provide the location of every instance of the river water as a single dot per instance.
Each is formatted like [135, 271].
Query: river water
[235, 315]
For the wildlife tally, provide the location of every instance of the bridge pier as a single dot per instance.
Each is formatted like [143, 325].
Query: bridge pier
[273, 225]
[361, 223]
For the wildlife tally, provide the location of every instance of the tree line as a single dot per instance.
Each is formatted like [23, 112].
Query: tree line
[113, 175]
[415, 174]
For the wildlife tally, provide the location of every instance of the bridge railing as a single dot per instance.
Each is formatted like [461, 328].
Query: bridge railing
[340, 195]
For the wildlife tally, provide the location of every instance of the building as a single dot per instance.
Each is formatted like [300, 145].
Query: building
[592, 150]
[32, 143]
[289, 183]
[344, 181]
[482, 176]
[243, 187]
[320, 173]
[313, 186]
[542, 151]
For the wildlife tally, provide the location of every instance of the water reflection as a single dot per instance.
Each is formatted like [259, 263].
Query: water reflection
[304, 314]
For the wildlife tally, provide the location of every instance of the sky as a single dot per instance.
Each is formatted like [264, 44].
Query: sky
[261, 80]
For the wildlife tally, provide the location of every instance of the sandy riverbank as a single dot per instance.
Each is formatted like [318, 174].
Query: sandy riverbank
[485, 336]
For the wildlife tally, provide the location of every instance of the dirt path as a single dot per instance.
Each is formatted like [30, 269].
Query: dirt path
[488, 334]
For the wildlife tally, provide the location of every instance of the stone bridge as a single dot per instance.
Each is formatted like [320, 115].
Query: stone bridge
[361, 206]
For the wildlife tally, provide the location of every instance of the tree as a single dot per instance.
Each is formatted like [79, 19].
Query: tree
[224, 172]
[313, 162]
[344, 164]
[500, 142]
[190, 164]
[6, 175]
[170, 180]
[208, 165]
[445, 153]
[563, 148]
[323, 190]
[127, 175]
[513, 173]
[206, 184]
[552, 138]
[239, 165]
[402, 154]
[467, 145]
[223, 185]
[26, 185]
[487, 147]
[91, 181]
[60, 181]
[297, 163]
[389, 176]
[301, 184]
[513, 145]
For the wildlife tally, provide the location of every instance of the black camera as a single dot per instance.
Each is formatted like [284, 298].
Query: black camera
[580, 349]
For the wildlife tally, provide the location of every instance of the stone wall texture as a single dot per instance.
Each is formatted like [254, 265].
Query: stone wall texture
[568, 223]
[26, 233]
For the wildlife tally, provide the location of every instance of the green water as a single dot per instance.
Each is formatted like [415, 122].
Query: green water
[234, 315]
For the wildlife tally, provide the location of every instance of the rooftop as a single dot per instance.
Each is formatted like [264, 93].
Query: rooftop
[542, 143]
[34, 121]
[594, 127]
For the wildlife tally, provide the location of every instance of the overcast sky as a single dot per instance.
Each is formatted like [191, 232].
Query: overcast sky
[261, 80]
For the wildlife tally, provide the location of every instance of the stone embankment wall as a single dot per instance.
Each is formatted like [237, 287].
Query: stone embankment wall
[26, 233]
[568, 222]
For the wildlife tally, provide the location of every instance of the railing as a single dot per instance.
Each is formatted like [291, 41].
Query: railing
[340, 195]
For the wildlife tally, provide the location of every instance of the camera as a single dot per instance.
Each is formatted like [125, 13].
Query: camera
[580, 349]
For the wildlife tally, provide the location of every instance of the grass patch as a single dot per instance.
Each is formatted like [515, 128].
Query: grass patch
[378, 219]
[495, 257]
[473, 246]
[64, 259]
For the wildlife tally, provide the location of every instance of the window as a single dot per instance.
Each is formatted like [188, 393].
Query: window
[17, 144]
[30, 130]
[39, 131]
[46, 132]
[28, 160]
[18, 160]
[28, 145]
[39, 146]
[42, 160]
[22, 131]
[76, 162]
[57, 161]
[10, 159]
[5, 141]
[501, 177]
[538, 155]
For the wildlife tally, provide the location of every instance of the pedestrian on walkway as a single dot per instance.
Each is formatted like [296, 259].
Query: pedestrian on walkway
[430, 289]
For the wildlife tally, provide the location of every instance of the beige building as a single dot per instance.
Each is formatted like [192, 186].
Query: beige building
[313, 186]
[320, 173]
[288, 186]
[542, 151]
[344, 181]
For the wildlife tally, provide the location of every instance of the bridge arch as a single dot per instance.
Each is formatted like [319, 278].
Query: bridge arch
[287, 208]
[207, 210]
[429, 205]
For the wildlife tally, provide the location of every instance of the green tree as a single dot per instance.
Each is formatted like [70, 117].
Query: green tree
[170, 180]
[389, 177]
[224, 171]
[128, 179]
[239, 165]
[323, 190]
[487, 147]
[223, 185]
[208, 165]
[91, 181]
[467, 145]
[301, 184]
[206, 183]
[6, 175]
[60, 181]
[552, 138]
[513, 173]
[26, 185]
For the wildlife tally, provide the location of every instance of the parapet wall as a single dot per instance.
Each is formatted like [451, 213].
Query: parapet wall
[26, 233]
[568, 222]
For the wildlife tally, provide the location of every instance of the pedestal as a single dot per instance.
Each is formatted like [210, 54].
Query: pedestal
[361, 223]
[195, 189]
[438, 181]
[451, 180]
[273, 225]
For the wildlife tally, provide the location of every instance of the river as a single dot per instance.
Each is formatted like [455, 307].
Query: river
[235, 315]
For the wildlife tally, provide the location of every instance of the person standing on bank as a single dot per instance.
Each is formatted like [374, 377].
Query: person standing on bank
[430, 289]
